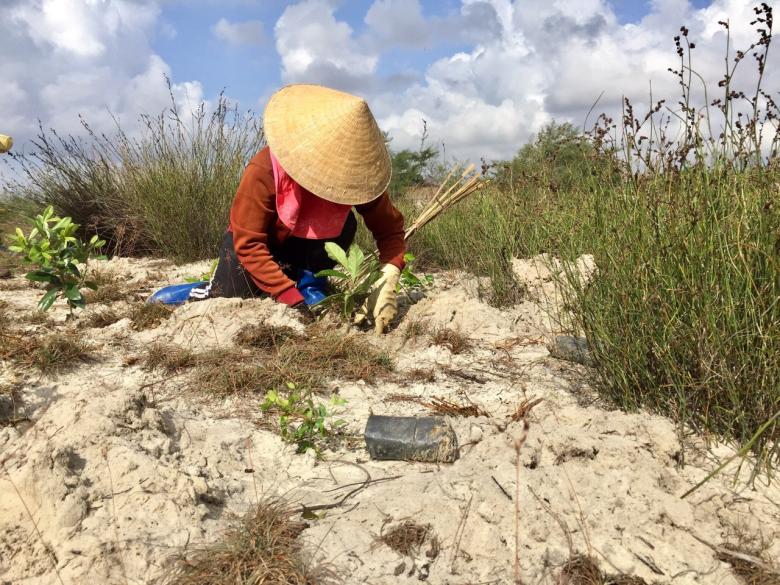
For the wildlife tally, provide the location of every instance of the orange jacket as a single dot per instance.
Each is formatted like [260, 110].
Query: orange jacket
[256, 228]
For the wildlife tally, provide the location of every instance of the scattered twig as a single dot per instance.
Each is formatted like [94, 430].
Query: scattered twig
[363, 485]
[503, 491]
[459, 534]
[519, 442]
[525, 407]
[741, 453]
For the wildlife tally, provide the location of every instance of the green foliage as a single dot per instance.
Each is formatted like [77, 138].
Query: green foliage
[409, 280]
[302, 419]
[353, 282]
[206, 275]
[560, 158]
[60, 257]
[410, 168]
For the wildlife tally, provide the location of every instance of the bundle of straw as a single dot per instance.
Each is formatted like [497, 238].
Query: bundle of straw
[467, 181]
[459, 184]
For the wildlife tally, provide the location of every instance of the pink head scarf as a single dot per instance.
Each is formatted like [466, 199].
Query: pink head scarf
[307, 215]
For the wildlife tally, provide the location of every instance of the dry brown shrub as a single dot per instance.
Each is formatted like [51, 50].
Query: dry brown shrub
[168, 357]
[525, 407]
[442, 406]
[148, 315]
[308, 362]
[111, 287]
[263, 548]
[427, 375]
[454, 340]
[416, 328]
[101, 319]
[51, 353]
[407, 537]
[264, 336]
[584, 570]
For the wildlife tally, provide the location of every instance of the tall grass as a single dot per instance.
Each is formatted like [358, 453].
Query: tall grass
[166, 190]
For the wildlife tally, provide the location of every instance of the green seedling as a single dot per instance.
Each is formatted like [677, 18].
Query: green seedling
[354, 279]
[206, 276]
[61, 258]
[302, 420]
[409, 280]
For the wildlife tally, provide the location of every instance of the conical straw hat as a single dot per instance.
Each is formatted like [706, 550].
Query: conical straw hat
[329, 142]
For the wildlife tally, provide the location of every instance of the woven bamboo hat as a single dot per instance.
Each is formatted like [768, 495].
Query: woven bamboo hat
[329, 142]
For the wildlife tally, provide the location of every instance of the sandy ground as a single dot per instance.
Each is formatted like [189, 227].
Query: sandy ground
[116, 470]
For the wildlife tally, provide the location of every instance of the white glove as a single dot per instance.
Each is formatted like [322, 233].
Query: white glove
[6, 142]
[382, 302]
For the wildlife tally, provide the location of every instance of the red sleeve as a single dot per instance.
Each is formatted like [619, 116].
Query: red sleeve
[252, 218]
[386, 224]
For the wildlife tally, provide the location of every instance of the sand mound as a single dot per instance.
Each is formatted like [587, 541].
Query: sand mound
[119, 468]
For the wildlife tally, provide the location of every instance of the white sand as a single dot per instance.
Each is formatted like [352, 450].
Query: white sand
[118, 476]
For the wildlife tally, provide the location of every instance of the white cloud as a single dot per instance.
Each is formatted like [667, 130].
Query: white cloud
[399, 22]
[66, 58]
[540, 60]
[317, 48]
[249, 32]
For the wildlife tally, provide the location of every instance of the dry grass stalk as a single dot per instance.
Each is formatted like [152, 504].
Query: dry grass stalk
[749, 566]
[101, 319]
[524, 408]
[459, 184]
[49, 353]
[442, 406]
[519, 442]
[584, 570]
[263, 548]
[148, 315]
[454, 340]
[168, 357]
[308, 362]
[110, 288]
[407, 538]
[427, 375]
[264, 336]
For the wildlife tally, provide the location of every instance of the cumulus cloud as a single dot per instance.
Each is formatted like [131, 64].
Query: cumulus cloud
[250, 32]
[317, 48]
[66, 58]
[527, 62]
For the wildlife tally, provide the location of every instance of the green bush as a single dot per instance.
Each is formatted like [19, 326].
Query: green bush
[166, 191]
[60, 258]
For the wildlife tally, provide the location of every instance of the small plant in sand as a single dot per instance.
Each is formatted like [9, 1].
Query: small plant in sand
[353, 281]
[409, 280]
[302, 420]
[59, 256]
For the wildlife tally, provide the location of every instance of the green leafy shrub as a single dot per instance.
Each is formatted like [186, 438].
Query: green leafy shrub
[302, 419]
[409, 280]
[60, 257]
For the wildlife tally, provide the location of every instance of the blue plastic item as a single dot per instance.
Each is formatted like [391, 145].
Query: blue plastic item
[175, 294]
[312, 288]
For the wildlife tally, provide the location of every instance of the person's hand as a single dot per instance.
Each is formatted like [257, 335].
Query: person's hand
[382, 301]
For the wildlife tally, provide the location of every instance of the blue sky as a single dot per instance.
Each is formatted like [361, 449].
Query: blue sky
[484, 75]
